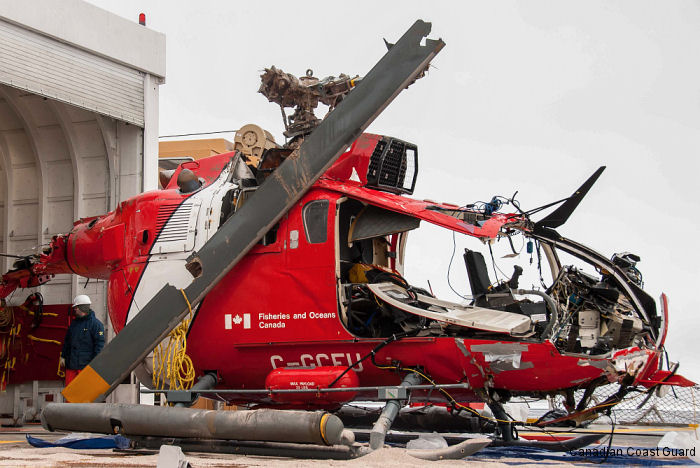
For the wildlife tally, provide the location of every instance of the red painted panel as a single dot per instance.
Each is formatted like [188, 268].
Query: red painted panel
[356, 158]
[30, 348]
[120, 292]
[419, 208]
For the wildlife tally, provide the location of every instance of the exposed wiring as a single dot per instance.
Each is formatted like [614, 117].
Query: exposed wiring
[445, 393]
[495, 268]
[512, 247]
[610, 439]
[456, 404]
[391, 339]
[485, 208]
[496, 203]
[539, 264]
[449, 267]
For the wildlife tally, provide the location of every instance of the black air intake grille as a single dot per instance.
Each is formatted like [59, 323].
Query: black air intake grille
[373, 169]
[393, 166]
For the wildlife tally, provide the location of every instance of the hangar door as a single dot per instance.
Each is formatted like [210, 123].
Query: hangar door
[46, 67]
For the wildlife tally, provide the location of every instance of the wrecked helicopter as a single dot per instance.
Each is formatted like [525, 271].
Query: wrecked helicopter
[317, 311]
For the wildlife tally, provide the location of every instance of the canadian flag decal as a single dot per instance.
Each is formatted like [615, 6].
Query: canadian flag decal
[231, 320]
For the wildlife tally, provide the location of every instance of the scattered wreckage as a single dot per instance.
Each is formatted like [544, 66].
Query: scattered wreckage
[288, 271]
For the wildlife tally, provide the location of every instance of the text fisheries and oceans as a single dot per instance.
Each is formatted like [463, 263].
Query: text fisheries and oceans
[266, 320]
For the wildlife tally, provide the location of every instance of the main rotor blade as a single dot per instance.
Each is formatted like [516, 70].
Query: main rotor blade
[399, 67]
[559, 216]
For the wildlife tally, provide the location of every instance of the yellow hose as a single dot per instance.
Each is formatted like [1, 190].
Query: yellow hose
[43, 340]
[59, 372]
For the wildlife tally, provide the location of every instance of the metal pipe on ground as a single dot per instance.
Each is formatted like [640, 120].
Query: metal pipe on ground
[386, 419]
[268, 449]
[302, 427]
[276, 449]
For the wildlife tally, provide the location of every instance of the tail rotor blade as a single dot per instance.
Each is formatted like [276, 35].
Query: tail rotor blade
[559, 216]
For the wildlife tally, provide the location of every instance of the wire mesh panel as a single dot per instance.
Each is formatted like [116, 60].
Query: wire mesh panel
[676, 405]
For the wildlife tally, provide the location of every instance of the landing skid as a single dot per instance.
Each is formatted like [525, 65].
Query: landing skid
[459, 447]
[149, 445]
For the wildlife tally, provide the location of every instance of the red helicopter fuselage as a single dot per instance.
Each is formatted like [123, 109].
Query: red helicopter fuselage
[298, 311]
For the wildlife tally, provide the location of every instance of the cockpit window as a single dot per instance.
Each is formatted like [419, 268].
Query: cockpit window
[316, 221]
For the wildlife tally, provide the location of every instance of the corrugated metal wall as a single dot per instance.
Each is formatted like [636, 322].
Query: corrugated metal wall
[44, 66]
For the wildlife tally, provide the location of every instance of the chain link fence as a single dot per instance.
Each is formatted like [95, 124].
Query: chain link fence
[674, 406]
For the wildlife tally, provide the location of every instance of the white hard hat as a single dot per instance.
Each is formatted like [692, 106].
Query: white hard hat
[81, 300]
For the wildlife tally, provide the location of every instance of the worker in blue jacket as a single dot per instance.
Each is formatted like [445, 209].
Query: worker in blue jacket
[85, 338]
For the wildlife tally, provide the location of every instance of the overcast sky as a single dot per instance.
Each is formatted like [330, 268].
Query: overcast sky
[530, 96]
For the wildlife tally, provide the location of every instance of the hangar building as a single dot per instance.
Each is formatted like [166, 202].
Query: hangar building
[78, 131]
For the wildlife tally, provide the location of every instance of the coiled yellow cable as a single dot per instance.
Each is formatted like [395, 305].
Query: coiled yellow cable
[171, 363]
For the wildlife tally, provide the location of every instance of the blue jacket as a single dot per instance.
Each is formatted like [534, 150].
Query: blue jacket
[85, 338]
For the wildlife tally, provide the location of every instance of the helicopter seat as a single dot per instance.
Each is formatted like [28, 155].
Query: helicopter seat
[483, 292]
[479, 280]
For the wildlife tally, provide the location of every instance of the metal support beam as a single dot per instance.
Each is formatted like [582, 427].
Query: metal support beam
[6, 165]
[24, 116]
[505, 428]
[151, 85]
[386, 419]
[78, 182]
[108, 130]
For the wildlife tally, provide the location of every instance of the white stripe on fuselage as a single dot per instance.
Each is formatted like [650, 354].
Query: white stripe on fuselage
[169, 268]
